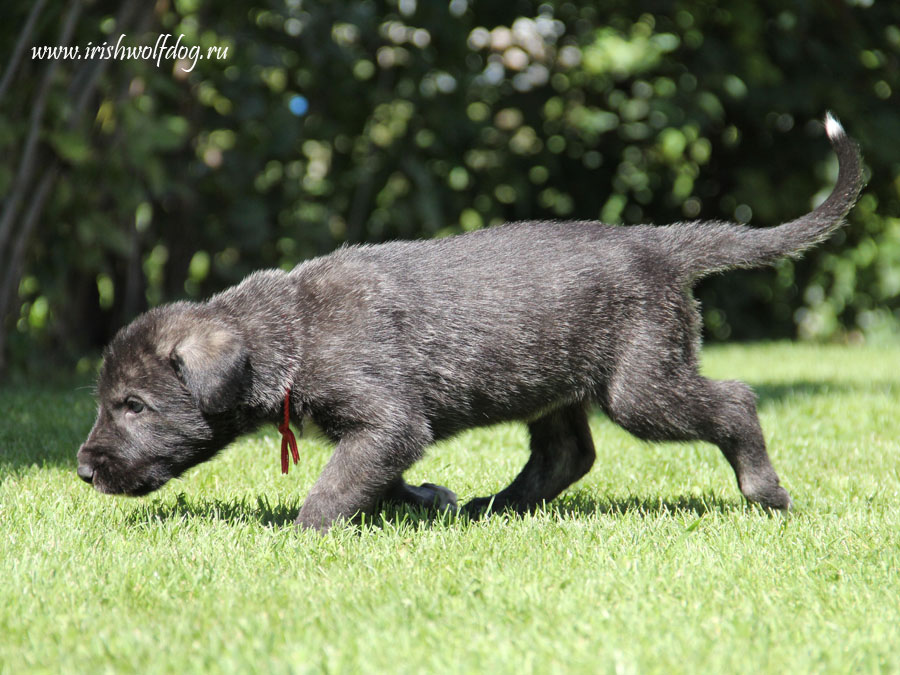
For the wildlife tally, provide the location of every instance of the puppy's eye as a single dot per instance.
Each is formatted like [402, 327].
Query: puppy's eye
[134, 405]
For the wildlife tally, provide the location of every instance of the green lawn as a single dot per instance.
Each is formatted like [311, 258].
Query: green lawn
[651, 563]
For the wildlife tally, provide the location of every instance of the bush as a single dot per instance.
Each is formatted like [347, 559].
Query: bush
[366, 121]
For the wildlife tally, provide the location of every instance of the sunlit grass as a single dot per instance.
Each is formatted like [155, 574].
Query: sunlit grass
[650, 563]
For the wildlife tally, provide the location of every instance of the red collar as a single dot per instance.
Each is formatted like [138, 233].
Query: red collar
[287, 436]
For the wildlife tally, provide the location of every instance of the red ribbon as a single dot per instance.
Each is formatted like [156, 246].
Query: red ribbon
[287, 436]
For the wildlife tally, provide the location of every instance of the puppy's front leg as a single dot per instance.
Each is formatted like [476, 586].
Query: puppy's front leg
[365, 464]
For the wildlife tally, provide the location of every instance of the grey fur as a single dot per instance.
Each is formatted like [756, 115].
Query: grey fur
[392, 347]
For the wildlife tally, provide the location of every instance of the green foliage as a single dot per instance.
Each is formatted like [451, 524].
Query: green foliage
[651, 563]
[428, 119]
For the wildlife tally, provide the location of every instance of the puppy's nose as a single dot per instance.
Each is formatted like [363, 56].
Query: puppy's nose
[86, 473]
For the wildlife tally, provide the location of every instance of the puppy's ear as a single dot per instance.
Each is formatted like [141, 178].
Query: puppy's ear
[211, 361]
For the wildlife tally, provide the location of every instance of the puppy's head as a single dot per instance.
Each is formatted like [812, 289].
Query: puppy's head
[169, 393]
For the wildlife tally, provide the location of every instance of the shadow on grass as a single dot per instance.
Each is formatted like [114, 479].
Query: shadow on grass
[773, 394]
[582, 504]
[389, 515]
[280, 515]
[226, 510]
[40, 425]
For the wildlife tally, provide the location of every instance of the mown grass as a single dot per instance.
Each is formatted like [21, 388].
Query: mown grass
[652, 563]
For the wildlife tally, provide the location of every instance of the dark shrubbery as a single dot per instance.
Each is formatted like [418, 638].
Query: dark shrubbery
[357, 121]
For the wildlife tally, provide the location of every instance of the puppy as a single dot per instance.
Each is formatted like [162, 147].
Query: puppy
[390, 348]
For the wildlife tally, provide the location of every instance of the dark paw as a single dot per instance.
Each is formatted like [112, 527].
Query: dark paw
[433, 496]
[772, 497]
[480, 506]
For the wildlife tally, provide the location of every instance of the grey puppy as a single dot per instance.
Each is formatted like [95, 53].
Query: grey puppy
[390, 348]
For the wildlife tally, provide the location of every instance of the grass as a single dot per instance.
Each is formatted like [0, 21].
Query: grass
[652, 563]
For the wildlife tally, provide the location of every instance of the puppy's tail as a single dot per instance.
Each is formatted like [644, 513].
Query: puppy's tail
[704, 248]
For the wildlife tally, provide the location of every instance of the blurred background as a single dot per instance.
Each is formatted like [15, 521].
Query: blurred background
[126, 182]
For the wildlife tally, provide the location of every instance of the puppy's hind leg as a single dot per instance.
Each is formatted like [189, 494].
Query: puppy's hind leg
[562, 451]
[741, 440]
[660, 401]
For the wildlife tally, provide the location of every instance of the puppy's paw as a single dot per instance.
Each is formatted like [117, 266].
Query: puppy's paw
[479, 506]
[779, 499]
[434, 496]
[772, 497]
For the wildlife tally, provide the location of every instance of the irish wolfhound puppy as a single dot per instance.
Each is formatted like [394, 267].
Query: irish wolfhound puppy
[390, 348]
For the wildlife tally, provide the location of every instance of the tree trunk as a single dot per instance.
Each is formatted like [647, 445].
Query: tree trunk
[17, 229]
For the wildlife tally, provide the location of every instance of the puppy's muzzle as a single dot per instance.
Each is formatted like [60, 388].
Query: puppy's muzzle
[85, 470]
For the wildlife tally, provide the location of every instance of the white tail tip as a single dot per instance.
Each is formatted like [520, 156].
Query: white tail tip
[832, 127]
